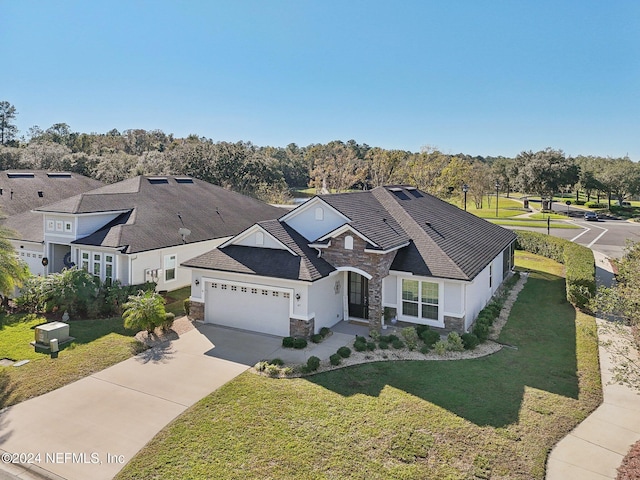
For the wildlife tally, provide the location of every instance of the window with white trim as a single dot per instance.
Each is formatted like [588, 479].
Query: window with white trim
[490, 275]
[108, 269]
[51, 225]
[420, 299]
[67, 227]
[84, 261]
[169, 268]
[97, 262]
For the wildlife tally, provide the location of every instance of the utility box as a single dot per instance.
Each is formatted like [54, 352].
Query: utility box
[53, 330]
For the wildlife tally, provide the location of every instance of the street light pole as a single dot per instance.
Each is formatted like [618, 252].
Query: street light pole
[465, 189]
[497, 190]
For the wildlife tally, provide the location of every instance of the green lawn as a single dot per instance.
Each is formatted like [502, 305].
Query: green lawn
[493, 417]
[506, 207]
[175, 300]
[525, 222]
[544, 216]
[98, 344]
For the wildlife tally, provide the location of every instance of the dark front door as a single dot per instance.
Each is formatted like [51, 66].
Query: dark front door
[358, 296]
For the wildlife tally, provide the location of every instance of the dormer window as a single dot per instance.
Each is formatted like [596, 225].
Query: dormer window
[348, 242]
[259, 238]
[319, 213]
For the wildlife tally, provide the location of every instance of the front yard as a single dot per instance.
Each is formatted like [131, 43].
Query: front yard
[492, 417]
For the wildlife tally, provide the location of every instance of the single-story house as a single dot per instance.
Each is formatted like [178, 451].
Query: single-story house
[22, 191]
[140, 229]
[390, 254]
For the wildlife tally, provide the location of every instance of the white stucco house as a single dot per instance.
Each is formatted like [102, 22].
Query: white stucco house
[136, 230]
[393, 252]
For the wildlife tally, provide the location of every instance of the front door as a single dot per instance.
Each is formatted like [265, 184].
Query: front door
[358, 296]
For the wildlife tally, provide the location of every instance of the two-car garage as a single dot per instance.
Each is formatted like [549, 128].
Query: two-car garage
[258, 308]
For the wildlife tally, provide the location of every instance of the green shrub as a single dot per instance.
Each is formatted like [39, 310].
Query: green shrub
[578, 260]
[286, 371]
[299, 343]
[481, 331]
[425, 349]
[169, 317]
[335, 359]
[411, 337]
[272, 370]
[313, 363]
[397, 343]
[260, 366]
[454, 342]
[344, 352]
[595, 205]
[324, 331]
[580, 202]
[393, 338]
[383, 345]
[440, 347]
[430, 337]
[276, 361]
[359, 346]
[384, 338]
[287, 342]
[187, 306]
[470, 341]
[317, 338]
[144, 311]
[371, 346]
[375, 335]
[361, 339]
[420, 329]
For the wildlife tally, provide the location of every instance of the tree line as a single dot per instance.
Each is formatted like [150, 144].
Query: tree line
[270, 172]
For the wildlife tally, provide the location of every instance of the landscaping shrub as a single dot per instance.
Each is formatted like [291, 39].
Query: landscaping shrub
[335, 359]
[383, 345]
[375, 335]
[187, 306]
[440, 347]
[481, 330]
[286, 371]
[287, 342]
[317, 338]
[454, 342]
[299, 343]
[344, 352]
[595, 205]
[144, 311]
[397, 343]
[272, 370]
[260, 366]
[313, 363]
[420, 329]
[425, 349]
[371, 346]
[411, 337]
[169, 317]
[360, 345]
[580, 202]
[429, 337]
[470, 341]
[324, 331]
[578, 261]
[276, 361]
[361, 339]
[393, 338]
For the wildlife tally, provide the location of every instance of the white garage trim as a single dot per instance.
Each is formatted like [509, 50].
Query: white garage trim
[267, 309]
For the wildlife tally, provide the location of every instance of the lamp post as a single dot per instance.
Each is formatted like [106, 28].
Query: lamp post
[497, 190]
[465, 189]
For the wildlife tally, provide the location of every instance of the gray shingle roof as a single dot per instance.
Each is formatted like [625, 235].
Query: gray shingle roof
[151, 209]
[270, 262]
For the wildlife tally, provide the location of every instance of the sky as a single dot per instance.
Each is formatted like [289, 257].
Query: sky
[481, 77]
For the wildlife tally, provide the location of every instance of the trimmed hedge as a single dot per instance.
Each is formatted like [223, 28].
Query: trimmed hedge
[580, 270]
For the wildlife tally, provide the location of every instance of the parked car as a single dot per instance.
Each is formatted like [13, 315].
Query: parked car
[591, 216]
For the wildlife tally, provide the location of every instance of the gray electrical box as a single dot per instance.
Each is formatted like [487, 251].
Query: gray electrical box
[53, 330]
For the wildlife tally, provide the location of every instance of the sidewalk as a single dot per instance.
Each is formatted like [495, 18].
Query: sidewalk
[596, 447]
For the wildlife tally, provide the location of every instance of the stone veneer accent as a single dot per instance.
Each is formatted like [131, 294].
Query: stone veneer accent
[376, 265]
[452, 324]
[196, 311]
[301, 328]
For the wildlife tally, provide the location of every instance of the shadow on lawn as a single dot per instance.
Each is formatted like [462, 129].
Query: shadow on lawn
[489, 390]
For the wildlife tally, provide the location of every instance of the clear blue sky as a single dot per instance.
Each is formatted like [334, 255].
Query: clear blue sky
[479, 77]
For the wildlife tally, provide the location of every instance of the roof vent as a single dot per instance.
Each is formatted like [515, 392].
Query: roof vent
[410, 188]
[395, 189]
[20, 175]
[0, 191]
[157, 180]
[59, 175]
[40, 193]
[184, 180]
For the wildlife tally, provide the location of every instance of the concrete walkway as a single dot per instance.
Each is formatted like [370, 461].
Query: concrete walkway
[595, 448]
[91, 428]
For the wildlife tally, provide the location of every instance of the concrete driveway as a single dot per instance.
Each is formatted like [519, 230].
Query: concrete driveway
[93, 427]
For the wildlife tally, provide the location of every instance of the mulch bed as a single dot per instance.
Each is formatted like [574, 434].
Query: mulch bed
[630, 468]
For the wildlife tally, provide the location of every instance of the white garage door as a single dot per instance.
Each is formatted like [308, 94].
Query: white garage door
[261, 310]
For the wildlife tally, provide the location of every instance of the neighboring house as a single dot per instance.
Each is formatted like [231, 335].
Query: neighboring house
[140, 229]
[391, 253]
[21, 191]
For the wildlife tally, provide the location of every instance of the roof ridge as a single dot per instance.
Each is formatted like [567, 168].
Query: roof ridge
[410, 225]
